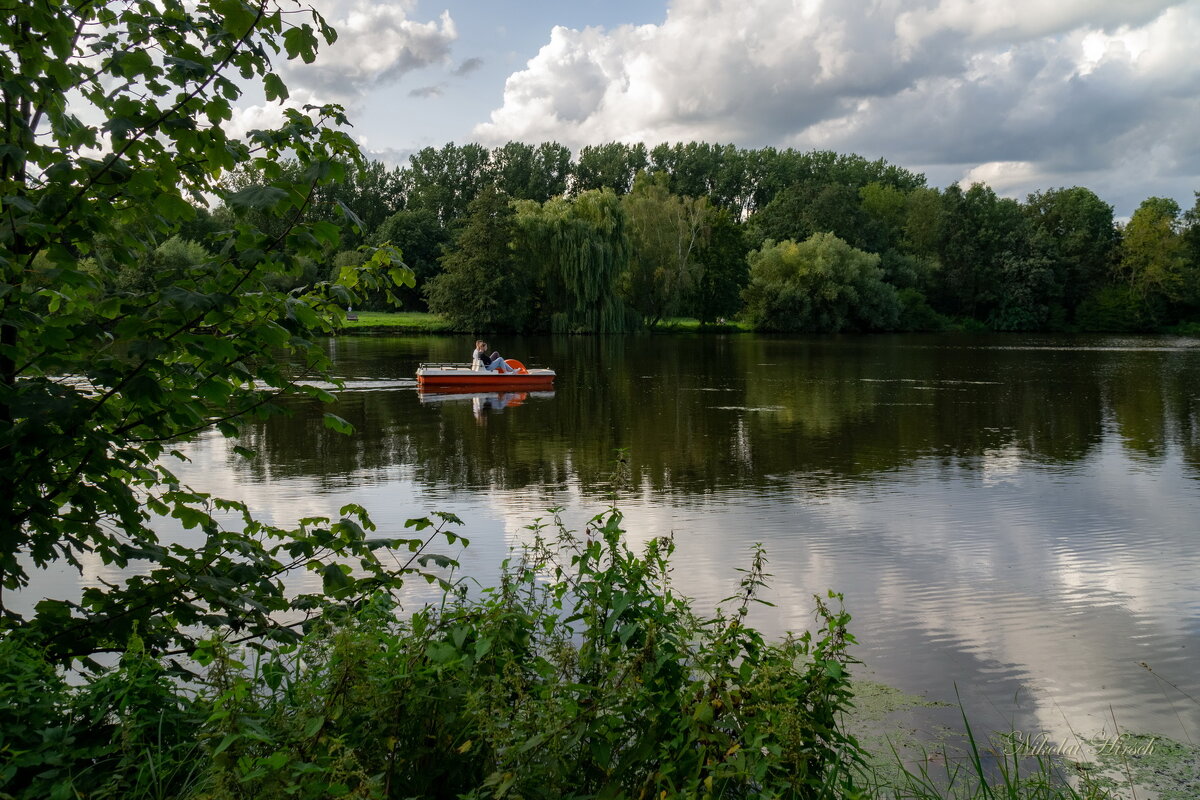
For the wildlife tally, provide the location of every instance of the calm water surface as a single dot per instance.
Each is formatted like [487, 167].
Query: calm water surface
[1014, 517]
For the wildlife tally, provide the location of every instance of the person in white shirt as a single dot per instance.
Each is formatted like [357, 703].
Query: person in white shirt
[491, 363]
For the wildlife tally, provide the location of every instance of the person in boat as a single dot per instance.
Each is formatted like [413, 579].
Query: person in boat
[493, 362]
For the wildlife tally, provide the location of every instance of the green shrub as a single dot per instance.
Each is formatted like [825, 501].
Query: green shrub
[1117, 309]
[916, 313]
[166, 264]
[583, 674]
[820, 285]
[127, 732]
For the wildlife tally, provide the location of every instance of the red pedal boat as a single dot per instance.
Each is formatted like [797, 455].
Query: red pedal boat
[461, 376]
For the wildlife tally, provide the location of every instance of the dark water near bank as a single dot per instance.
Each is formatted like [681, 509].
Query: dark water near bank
[1012, 516]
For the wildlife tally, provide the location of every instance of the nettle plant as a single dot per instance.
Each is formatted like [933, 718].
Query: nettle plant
[581, 674]
[111, 141]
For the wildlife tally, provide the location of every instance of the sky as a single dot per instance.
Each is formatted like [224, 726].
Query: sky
[1024, 95]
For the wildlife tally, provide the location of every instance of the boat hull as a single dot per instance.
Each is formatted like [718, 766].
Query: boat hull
[467, 379]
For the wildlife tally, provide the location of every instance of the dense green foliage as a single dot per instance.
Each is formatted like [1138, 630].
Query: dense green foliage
[417, 234]
[480, 287]
[819, 285]
[609, 166]
[960, 256]
[724, 270]
[668, 233]
[582, 674]
[578, 251]
[1154, 257]
[1077, 228]
[117, 337]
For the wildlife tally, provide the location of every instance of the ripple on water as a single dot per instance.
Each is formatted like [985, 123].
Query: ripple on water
[990, 590]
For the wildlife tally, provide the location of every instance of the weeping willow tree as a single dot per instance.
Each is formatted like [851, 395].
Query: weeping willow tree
[580, 250]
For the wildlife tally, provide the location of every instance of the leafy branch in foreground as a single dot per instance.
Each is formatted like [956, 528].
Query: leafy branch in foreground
[112, 134]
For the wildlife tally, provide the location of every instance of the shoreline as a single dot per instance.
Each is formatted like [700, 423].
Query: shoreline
[375, 323]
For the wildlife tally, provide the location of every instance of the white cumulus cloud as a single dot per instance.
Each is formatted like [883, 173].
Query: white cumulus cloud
[377, 43]
[961, 88]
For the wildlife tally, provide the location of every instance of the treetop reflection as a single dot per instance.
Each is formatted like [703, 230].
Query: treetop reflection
[702, 413]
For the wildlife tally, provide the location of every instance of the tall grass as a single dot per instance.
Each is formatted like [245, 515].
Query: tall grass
[976, 775]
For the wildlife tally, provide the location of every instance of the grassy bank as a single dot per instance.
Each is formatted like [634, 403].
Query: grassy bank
[397, 322]
[423, 322]
[406, 322]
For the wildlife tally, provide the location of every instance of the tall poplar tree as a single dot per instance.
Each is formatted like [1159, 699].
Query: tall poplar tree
[481, 287]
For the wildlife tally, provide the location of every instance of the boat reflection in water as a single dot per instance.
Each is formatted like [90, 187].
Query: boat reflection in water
[481, 402]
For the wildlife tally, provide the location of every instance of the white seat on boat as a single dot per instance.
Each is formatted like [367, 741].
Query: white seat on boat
[476, 365]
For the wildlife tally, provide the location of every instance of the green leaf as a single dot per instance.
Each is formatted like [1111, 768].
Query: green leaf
[274, 87]
[336, 423]
[353, 218]
[190, 517]
[173, 207]
[12, 154]
[482, 646]
[226, 741]
[302, 313]
[440, 652]
[326, 233]
[335, 579]
[257, 198]
[130, 63]
[403, 276]
[237, 17]
[458, 635]
[300, 41]
[273, 674]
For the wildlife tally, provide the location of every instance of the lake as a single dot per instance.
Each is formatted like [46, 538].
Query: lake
[1010, 517]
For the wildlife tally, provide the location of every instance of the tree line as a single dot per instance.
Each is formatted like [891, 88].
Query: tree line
[528, 238]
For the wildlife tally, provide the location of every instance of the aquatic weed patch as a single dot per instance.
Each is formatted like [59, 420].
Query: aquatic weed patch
[1132, 763]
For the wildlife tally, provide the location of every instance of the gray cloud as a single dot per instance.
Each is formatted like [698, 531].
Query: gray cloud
[467, 67]
[427, 91]
[1022, 90]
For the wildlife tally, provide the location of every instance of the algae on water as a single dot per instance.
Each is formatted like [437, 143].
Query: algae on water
[1142, 766]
